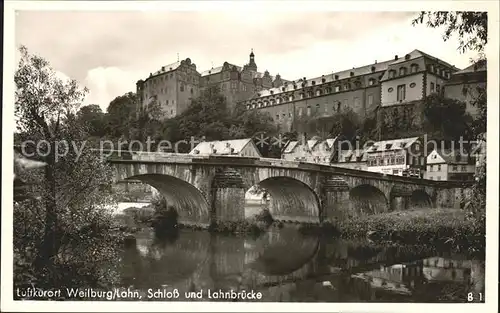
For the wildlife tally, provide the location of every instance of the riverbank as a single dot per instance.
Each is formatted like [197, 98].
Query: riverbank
[437, 227]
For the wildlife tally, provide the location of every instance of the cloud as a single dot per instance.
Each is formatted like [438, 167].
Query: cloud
[106, 83]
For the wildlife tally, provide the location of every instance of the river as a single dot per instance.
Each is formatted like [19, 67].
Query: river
[284, 265]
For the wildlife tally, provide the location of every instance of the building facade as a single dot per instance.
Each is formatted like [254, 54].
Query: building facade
[363, 89]
[238, 147]
[450, 165]
[312, 151]
[467, 85]
[175, 85]
[172, 87]
[353, 159]
[401, 157]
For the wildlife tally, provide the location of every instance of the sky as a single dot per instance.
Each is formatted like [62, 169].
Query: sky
[108, 51]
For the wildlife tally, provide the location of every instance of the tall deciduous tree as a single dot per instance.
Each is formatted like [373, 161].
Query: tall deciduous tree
[43, 102]
[65, 228]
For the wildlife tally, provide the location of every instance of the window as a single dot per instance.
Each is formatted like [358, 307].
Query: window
[167, 102]
[464, 168]
[414, 68]
[438, 88]
[346, 103]
[401, 92]
[277, 117]
[284, 115]
[308, 110]
[371, 82]
[290, 115]
[356, 102]
[302, 96]
[300, 111]
[455, 168]
[317, 107]
[432, 87]
[182, 87]
[347, 86]
[392, 73]
[191, 90]
[310, 94]
[318, 92]
[402, 71]
[370, 99]
[395, 172]
[336, 88]
[439, 167]
[439, 178]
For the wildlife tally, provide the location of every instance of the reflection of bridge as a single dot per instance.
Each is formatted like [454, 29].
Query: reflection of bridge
[207, 189]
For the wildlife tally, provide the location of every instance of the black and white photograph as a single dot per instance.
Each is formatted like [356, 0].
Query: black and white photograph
[239, 156]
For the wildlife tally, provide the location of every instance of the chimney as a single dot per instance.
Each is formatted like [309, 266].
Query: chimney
[396, 57]
[196, 151]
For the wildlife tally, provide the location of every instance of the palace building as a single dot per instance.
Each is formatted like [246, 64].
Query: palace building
[390, 85]
[175, 85]
[363, 89]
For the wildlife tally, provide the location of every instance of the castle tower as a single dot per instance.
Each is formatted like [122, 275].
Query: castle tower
[251, 65]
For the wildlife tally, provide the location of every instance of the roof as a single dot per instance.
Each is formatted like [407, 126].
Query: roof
[453, 156]
[290, 146]
[168, 67]
[359, 71]
[218, 69]
[221, 147]
[390, 145]
[352, 155]
[476, 67]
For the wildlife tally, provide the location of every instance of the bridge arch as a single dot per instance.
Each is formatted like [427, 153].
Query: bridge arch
[190, 203]
[367, 199]
[420, 199]
[291, 199]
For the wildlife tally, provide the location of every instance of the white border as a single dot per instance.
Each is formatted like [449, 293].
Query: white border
[7, 304]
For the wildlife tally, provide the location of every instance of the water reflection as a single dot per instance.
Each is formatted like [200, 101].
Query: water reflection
[285, 265]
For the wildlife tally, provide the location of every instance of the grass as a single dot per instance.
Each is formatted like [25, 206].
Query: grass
[441, 227]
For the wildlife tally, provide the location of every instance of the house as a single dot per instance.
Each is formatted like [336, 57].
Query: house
[238, 147]
[449, 164]
[354, 159]
[311, 151]
[402, 157]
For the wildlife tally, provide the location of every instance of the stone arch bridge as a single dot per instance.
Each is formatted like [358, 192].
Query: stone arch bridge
[207, 189]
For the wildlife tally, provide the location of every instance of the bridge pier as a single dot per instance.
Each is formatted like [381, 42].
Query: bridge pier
[228, 204]
[228, 197]
[399, 203]
[335, 200]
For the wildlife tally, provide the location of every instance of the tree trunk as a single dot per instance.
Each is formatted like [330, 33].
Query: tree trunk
[48, 248]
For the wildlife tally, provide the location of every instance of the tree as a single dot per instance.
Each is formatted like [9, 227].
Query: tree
[447, 117]
[471, 27]
[42, 102]
[120, 114]
[472, 31]
[64, 224]
[91, 118]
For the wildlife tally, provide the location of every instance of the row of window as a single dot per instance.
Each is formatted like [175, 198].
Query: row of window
[454, 168]
[308, 94]
[403, 71]
[336, 106]
[389, 161]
